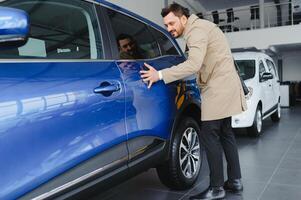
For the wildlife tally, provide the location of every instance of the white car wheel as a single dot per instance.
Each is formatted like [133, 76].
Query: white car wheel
[256, 128]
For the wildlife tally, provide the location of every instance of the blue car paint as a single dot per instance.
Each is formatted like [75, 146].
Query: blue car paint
[51, 120]
[13, 22]
[149, 112]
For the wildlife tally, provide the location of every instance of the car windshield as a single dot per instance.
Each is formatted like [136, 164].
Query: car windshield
[246, 68]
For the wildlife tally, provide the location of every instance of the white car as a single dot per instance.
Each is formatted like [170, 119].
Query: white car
[260, 75]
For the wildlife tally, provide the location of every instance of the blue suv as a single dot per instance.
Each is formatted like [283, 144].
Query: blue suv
[75, 116]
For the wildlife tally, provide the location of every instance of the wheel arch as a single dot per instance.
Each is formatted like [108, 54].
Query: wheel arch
[191, 108]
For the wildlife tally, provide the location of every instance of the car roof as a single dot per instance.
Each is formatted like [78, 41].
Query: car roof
[247, 55]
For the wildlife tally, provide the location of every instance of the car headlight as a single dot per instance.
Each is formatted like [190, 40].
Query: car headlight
[249, 95]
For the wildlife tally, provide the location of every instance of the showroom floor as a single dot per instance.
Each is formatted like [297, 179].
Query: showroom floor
[271, 168]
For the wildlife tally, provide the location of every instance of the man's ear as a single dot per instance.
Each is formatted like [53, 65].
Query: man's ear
[183, 20]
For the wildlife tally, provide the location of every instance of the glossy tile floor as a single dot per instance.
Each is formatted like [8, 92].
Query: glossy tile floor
[271, 167]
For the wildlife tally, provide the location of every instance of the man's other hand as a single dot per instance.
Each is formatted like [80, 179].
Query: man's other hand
[151, 75]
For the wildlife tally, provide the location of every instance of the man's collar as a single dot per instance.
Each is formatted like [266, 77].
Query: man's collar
[190, 21]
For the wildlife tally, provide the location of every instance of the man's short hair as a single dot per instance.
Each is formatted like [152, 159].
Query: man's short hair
[124, 36]
[176, 9]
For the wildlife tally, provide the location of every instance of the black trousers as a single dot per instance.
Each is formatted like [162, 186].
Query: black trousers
[216, 136]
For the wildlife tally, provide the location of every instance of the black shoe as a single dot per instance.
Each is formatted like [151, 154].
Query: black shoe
[234, 185]
[210, 194]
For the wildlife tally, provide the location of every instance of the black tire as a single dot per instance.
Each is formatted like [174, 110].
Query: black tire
[256, 129]
[276, 115]
[171, 173]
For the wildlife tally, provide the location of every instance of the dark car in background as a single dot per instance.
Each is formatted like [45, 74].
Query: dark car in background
[74, 116]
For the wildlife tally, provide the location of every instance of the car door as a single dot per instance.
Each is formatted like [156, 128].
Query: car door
[266, 90]
[275, 82]
[270, 91]
[149, 112]
[61, 104]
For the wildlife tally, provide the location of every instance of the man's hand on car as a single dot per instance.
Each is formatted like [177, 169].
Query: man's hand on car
[151, 75]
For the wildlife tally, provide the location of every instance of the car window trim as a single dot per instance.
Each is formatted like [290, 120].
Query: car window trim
[101, 31]
[11, 60]
[104, 32]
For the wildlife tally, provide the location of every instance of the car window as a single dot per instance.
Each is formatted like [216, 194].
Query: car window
[269, 66]
[246, 68]
[166, 46]
[133, 37]
[272, 68]
[58, 30]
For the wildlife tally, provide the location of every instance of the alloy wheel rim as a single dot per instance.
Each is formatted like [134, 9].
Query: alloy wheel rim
[259, 121]
[189, 153]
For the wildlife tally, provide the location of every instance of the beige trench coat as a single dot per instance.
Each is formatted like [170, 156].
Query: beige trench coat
[210, 58]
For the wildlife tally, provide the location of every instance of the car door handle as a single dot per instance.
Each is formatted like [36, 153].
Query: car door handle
[107, 89]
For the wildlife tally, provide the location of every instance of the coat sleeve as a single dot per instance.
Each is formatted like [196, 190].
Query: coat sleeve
[197, 42]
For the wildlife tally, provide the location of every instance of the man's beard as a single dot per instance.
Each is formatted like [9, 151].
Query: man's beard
[174, 34]
[178, 34]
[131, 53]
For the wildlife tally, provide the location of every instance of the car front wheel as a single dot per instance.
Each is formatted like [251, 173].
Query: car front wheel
[256, 128]
[183, 167]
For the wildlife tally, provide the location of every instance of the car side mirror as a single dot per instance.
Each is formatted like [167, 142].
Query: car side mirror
[266, 76]
[14, 27]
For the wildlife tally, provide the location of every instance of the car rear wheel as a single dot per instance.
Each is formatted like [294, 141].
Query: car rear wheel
[183, 167]
[256, 129]
[276, 115]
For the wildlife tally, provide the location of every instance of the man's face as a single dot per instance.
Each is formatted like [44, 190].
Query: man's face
[126, 45]
[175, 25]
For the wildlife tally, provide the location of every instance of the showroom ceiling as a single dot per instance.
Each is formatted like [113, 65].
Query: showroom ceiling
[224, 4]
